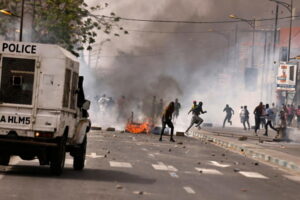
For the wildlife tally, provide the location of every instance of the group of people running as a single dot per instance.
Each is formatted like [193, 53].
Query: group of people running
[196, 110]
[265, 116]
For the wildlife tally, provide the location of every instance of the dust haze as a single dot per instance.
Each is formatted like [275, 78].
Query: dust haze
[185, 61]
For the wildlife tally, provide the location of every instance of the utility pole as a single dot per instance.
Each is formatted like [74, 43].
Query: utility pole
[275, 31]
[253, 42]
[289, 7]
[291, 26]
[21, 24]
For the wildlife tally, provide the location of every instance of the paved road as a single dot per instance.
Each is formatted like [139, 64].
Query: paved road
[126, 166]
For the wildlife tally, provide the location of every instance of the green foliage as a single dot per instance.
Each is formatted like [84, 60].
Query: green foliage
[68, 23]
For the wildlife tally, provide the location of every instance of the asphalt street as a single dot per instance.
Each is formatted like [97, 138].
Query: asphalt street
[127, 166]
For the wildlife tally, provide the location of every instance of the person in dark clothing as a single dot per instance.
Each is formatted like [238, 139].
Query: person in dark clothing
[258, 112]
[269, 116]
[80, 92]
[229, 112]
[246, 118]
[177, 108]
[167, 120]
[81, 98]
[196, 110]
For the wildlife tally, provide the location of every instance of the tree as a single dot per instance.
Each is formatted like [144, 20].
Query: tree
[69, 23]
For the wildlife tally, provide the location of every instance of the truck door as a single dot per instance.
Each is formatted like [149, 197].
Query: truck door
[17, 79]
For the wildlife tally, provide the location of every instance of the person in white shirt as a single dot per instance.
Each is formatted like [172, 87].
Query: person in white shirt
[269, 115]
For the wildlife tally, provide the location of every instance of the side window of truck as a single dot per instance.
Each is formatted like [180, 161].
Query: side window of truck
[67, 88]
[74, 90]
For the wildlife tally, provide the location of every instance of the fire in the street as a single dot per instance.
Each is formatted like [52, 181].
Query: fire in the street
[137, 128]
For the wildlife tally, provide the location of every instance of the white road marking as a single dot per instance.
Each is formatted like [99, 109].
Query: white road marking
[174, 175]
[151, 155]
[172, 168]
[120, 164]
[144, 149]
[253, 175]
[215, 163]
[94, 155]
[161, 166]
[189, 190]
[209, 171]
[293, 178]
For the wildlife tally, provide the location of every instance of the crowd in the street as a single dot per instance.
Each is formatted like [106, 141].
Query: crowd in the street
[266, 116]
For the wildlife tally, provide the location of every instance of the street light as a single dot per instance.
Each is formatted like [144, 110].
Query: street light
[6, 12]
[289, 7]
[252, 24]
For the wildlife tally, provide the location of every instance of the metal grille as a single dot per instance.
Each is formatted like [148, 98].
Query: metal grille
[17, 80]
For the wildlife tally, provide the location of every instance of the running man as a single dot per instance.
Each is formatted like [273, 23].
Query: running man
[229, 112]
[269, 116]
[196, 110]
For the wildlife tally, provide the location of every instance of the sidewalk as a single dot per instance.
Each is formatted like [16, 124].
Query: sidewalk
[281, 154]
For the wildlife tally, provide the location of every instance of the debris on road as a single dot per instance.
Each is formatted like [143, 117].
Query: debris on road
[223, 154]
[256, 163]
[199, 163]
[179, 133]
[236, 163]
[96, 128]
[244, 190]
[138, 192]
[111, 129]
[213, 154]
[179, 142]
[170, 150]
[236, 170]
[119, 187]
[243, 138]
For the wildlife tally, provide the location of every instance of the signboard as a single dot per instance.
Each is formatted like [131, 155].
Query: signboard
[286, 78]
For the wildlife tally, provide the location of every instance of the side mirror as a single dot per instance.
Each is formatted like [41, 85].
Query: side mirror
[86, 105]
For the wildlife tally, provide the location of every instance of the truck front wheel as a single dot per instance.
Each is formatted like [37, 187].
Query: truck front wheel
[4, 159]
[58, 157]
[79, 156]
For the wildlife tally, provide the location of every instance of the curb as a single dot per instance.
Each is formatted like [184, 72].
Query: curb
[254, 154]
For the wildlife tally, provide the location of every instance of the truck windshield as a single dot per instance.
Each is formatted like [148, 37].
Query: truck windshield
[17, 78]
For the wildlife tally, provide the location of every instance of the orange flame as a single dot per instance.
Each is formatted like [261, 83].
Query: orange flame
[138, 128]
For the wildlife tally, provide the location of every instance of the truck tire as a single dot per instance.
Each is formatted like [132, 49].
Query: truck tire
[4, 159]
[58, 157]
[79, 157]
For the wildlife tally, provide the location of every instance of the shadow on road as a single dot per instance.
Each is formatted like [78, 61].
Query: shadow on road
[69, 173]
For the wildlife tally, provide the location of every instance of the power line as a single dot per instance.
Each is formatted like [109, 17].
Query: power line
[189, 22]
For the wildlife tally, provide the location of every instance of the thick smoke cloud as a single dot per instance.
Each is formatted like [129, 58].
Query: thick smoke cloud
[189, 62]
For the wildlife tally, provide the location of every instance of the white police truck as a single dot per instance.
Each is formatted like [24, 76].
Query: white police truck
[43, 112]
